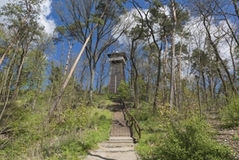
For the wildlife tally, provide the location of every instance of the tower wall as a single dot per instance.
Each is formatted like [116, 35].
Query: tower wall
[117, 74]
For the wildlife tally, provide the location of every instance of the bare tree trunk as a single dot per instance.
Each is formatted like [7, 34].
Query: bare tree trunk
[232, 59]
[159, 50]
[219, 59]
[82, 77]
[102, 76]
[136, 94]
[236, 7]
[156, 97]
[92, 78]
[211, 83]
[135, 74]
[179, 86]
[204, 87]
[60, 94]
[148, 80]
[2, 58]
[232, 31]
[8, 49]
[199, 96]
[7, 98]
[172, 89]
[38, 89]
[223, 81]
[165, 66]
[68, 57]
[4, 86]
[19, 72]
[133, 58]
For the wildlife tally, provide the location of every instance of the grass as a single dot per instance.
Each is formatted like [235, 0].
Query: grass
[230, 113]
[169, 135]
[235, 137]
[70, 135]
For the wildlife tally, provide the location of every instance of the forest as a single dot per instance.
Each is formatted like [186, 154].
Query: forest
[181, 77]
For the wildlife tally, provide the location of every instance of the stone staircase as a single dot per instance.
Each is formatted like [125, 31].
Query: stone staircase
[116, 148]
[117, 144]
[120, 145]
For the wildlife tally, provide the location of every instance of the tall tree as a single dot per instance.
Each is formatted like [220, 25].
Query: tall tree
[21, 24]
[152, 17]
[90, 22]
[159, 27]
[218, 23]
[22, 21]
[173, 34]
[207, 19]
[85, 17]
[102, 73]
[137, 37]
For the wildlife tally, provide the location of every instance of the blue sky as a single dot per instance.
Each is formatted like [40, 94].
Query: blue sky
[48, 20]
[45, 18]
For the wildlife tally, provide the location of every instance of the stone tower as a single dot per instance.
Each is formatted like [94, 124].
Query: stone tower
[117, 63]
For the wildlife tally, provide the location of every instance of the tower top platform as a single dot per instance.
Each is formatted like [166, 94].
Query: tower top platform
[117, 57]
[117, 54]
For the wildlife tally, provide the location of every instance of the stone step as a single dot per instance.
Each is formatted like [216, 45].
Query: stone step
[119, 149]
[118, 142]
[116, 145]
[121, 139]
[129, 155]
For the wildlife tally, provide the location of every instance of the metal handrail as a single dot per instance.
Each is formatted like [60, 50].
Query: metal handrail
[132, 122]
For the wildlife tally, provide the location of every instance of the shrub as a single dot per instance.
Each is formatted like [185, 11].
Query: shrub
[192, 140]
[76, 143]
[230, 113]
[123, 91]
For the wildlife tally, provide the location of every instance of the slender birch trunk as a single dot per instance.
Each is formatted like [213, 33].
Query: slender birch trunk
[172, 88]
[60, 94]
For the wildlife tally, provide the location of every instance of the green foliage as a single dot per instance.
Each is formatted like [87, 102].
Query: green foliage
[146, 146]
[123, 91]
[25, 129]
[230, 113]
[33, 74]
[168, 135]
[77, 143]
[70, 148]
[71, 120]
[22, 16]
[72, 132]
[191, 139]
[235, 137]
[152, 128]
[102, 101]
[97, 20]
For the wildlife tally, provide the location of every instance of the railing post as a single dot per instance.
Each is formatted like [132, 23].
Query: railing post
[133, 124]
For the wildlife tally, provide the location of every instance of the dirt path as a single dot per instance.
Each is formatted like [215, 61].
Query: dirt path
[120, 145]
[227, 136]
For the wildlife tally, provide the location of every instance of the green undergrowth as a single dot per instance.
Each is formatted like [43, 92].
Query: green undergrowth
[168, 135]
[102, 101]
[230, 113]
[70, 134]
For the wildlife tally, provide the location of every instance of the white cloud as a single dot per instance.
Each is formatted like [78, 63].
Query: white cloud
[198, 35]
[47, 22]
[44, 19]
[220, 34]
[3, 2]
[129, 20]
